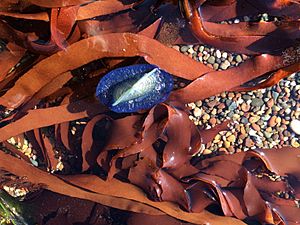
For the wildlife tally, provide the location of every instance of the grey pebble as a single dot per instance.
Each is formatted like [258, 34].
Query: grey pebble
[228, 102]
[231, 113]
[232, 106]
[244, 120]
[275, 137]
[257, 102]
[267, 134]
[184, 48]
[256, 109]
[275, 95]
[260, 122]
[211, 60]
[246, 97]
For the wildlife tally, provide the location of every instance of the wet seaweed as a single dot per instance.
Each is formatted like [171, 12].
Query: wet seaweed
[141, 160]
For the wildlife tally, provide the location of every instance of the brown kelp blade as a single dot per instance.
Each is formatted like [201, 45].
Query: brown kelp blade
[247, 38]
[128, 45]
[108, 193]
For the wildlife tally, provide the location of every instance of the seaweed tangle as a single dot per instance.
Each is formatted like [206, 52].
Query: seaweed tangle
[53, 54]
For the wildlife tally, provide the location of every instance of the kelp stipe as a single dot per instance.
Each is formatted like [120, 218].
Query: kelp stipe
[133, 88]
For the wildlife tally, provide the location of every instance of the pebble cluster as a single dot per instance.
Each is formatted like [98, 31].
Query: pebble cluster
[213, 58]
[25, 147]
[264, 118]
[263, 17]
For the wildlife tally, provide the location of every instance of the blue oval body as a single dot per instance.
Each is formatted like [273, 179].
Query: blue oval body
[132, 88]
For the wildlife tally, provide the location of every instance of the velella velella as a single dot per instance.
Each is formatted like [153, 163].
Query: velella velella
[132, 88]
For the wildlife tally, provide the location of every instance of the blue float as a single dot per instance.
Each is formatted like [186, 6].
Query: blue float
[132, 88]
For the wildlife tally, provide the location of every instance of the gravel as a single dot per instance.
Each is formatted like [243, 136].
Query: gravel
[266, 118]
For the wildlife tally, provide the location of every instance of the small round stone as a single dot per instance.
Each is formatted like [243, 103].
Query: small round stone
[225, 65]
[206, 117]
[295, 126]
[215, 66]
[257, 102]
[218, 54]
[238, 59]
[254, 119]
[197, 112]
[272, 121]
[224, 55]
[231, 138]
[255, 127]
[184, 48]
[207, 152]
[176, 47]
[211, 60]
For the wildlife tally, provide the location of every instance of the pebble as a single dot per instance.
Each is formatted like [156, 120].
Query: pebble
[257, 102]
[215, 66]
[224, 55]
[254, 119]
[231, 138]
[198, 103]
[264, 118]
[218, 54]
[232, 106]
[255, 126]
[270, 103]
[278, 120]
[267, 134]
[295, 143]
[206, 117]
[244, 120]
[248, 142]
[197, 112]
[211, 60]
[295, 126]
[224, 65]
[275, 95]
[226, 144]
[207, 152]
[213, 121]
[238, 59]
[184, 48]
[272, 121]
[245, 107]
[191, 51]
[176, 47]
[192, 105]
[288, 111]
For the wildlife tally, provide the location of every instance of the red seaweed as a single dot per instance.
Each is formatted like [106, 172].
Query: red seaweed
[147, 162]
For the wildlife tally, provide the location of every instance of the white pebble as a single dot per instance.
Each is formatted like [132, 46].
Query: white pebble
[295, 126]
[197, 112]
[236, 21]
[288, 110]
[225, 65]
[191, 50]
[224, 55]
[218, 54]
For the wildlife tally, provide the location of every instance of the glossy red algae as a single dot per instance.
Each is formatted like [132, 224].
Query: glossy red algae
[143, 162]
